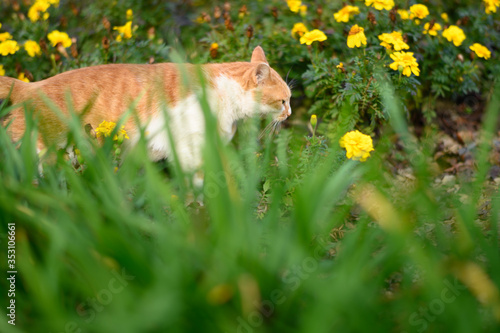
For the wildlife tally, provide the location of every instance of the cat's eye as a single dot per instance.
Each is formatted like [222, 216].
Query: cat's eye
[283, 101]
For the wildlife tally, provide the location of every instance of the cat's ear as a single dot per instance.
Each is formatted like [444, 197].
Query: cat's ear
[261, 73]
[258, 55]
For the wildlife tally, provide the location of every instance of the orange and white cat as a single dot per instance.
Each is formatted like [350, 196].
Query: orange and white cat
[235, 91]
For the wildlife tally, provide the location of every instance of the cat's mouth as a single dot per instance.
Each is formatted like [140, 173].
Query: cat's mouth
[284, 114]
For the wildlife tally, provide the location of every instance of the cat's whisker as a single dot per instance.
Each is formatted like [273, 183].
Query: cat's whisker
[276, 127]
[266, 129]
[286, 79]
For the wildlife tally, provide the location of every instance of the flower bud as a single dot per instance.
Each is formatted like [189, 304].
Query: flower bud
[229, 24]
[151, 33]
[243, 11]
[217, 12]
[250, 31]
[274, 12]
[314, 121]
[106, 24]
[105, 43]
[214, 50]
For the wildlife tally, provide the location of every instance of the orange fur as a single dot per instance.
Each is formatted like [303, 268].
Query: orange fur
[111, 88]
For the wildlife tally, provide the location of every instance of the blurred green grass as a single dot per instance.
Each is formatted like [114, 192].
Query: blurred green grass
[106, 251]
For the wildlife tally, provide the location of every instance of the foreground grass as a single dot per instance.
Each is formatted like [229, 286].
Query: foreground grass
[287, 239]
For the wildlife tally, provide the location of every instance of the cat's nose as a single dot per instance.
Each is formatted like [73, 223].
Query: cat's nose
[289, 111]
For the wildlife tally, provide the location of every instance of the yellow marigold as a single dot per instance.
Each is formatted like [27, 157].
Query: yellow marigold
[312, 36]
[346, 13]
[56, 37]
[419, 11]
[125, 31]
[405, 62]
[32, 48]
[358, 145]
[299, 29]
[8, 47]
[444, 16]
[5, 36]
[22, 77]
[454, 34]
[37, 9]
[404, 14]
[481, 51]
[491, 6]
[130, 14]
[303, 10]
[2, 71]
[356, 37]
[106, 128]
[380, 4]
[294, 5]
[433, 30]
[394, 39]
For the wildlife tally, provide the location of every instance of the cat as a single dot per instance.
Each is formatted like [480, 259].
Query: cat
[235, 90]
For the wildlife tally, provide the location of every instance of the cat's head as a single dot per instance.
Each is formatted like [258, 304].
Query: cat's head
[271, 91]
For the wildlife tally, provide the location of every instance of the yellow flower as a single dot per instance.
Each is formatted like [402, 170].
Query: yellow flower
[405, 15]
[56, 37]
[419, 11]
[299, 29]
[130, 14]
[5, 36]
[294, 5]
[380, 4]
[444, 16]
[214, 46]
[106, 127]
[358, 145]
[346, 13]
[2, 71]
[395, 38]
[23, 78]
[8, 47]
[356, 37]
[481, 51]
[491, 6]
[125, 31]
[314, 121]
[303, 10]
[432, 31]
[454, 34]
[32, 48]
[39, 7]
[340, 66]
[312, 36]
[405, 62]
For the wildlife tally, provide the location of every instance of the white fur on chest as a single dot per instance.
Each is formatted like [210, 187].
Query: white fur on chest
[228, 101]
